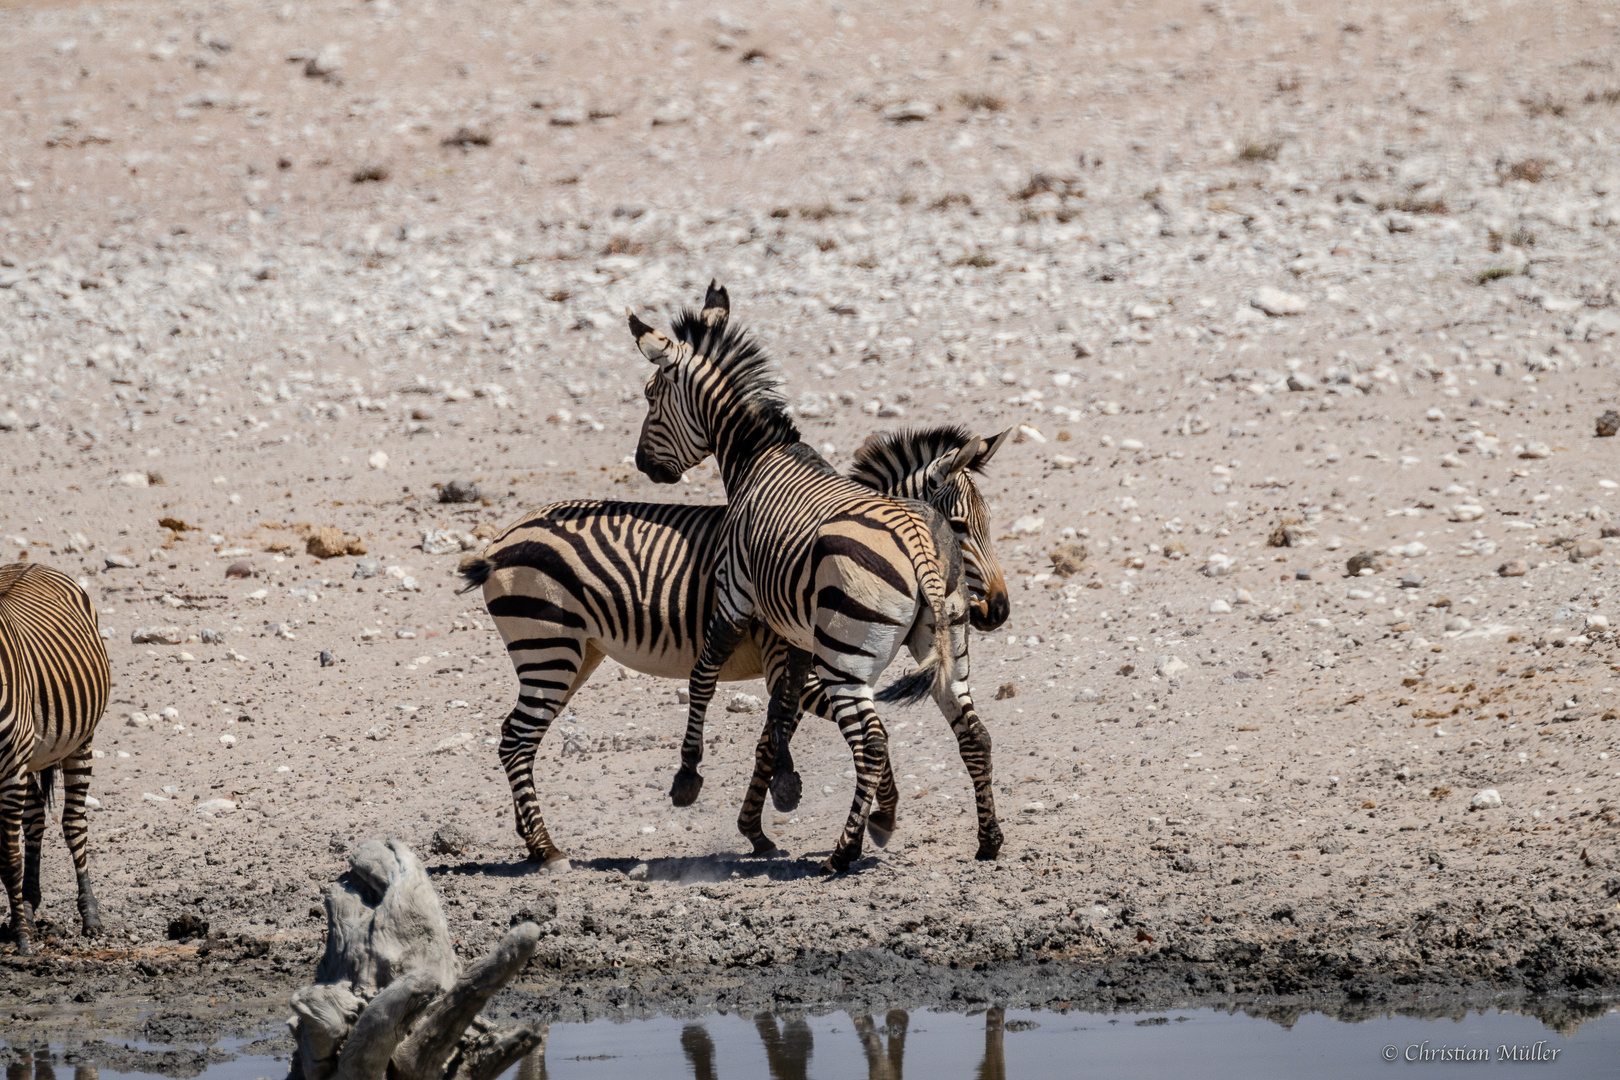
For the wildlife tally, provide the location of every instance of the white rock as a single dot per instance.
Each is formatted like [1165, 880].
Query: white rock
[1319, 624]
[1467, 512]
[744, 703]
[1034, 807]
[1536, 450]
[1220, 607]
[639, 872]
[147, 796]
[156, 635]
[91, 802]
[1028, 525]
[1171, 666]
[1359, 594]
[1275, 302]
[446, 541]
[1132, 445]
[135, 480]
[136, 720]
[215, 806]
[1086, 695]
[1412, 551]
[378, 460]
[377, 732]
[1597, 624]
[227, 740]
[171, 714]
[453, 743]
[1028, 433]
[1489, 799]
[1219, 565]
[1457, 624]
[1242, 596]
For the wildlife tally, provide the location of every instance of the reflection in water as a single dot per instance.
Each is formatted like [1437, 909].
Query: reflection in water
[787, 1052]
[532, 1066]
[994, 1065]
[43, 1070]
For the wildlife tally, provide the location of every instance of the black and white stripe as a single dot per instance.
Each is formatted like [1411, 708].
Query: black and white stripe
[843, 575]
[54, 682]
[576, 581]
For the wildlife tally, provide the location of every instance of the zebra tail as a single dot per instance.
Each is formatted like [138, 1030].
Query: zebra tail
[936, 672]
[475, 571]
[45, 784]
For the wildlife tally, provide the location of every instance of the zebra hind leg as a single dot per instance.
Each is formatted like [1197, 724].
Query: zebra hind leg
[76, 831]
[546, 687]
[39, 787]
[880, 823]
[869, 744]
[13, 797]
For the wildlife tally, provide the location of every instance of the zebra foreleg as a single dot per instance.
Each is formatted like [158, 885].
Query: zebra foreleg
[783, 719]
[76, 831]
[13, 798]
[749, 821]
[718, 644]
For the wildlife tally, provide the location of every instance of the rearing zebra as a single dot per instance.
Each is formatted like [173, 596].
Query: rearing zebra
[573, 582]
[54, 682]
[844, 575]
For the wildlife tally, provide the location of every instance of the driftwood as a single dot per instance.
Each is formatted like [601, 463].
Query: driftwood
[389, 1000]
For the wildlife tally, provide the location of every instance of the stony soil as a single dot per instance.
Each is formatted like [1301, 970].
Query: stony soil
[1342, 278]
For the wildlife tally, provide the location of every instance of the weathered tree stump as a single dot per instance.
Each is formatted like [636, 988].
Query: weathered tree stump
[389, 1000]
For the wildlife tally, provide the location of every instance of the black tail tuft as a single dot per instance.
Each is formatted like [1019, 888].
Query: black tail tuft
[908, 689]
[476, 572]
[45, 784]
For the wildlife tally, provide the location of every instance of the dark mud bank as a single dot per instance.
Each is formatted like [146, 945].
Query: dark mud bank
[98, 1003]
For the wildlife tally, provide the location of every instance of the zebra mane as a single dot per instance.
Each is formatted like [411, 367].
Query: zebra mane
[886, 457]
[762, 418]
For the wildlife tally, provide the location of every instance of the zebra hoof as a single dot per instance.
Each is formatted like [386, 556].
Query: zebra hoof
[684, 791]
[834, 866]
[90, 926]
[989, 843]
[786, 790]
[880, 827]
[764, 849]
[556, 866]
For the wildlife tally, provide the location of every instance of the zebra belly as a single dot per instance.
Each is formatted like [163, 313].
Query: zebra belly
[52, 751]
[745, 663]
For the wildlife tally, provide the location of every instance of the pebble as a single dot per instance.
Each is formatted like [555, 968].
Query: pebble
[366, 568]
[451, 839]
[1033, 807]
[1220, 607]
[136, 720]
[324, 64]
[1068, 559]
[378, 460]
[1319, 624]
[377, 732]
[1277, 303]
[1514, 568]
[1360, 562]
[328, 542]
[1028, 525]
[326, 659]
[156, 635]
[1457, 624]
[744, 703]
[215, 806]
[1467, 512]
[1170, 667]
[1085, 695]
[1359, 594]
[1411, 581]
[1608, 424]
[1411, 551]
[1535, 451]
[239, 569]
[135, 480]
[453, 743]
[639, 872]
[1242, 596]
[1597, 624]
[446, 541]
[460, 491]
[1218, 565]
[1488, 799]
[227, 740]
[119, 562]
[1586, 549]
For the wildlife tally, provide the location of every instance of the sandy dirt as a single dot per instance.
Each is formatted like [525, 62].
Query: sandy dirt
[1342, 277]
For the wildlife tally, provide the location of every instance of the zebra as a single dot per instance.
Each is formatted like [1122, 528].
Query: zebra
[54, 682]
[574, 582]
[843, 574]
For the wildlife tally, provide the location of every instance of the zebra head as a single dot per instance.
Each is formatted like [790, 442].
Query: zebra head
[936, 465]
[713, 393]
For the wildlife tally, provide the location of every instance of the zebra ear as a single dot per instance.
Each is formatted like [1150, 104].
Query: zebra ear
[990, 446]
[716, 306]
[653, 345]
[947, 467]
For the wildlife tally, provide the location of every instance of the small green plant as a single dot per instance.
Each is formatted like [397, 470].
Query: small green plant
[1544, 106]
[978, 260]
[1491, 273]
[1259, 151]
[982, 102]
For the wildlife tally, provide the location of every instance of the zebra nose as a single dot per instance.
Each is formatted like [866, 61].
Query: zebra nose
[657, 472]
[991, 613]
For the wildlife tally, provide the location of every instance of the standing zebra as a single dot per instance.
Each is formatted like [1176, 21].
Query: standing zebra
[573, 582]
[54, 682]
[844, 575]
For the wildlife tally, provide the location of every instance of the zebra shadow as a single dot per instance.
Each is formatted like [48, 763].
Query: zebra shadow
[700, 869]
